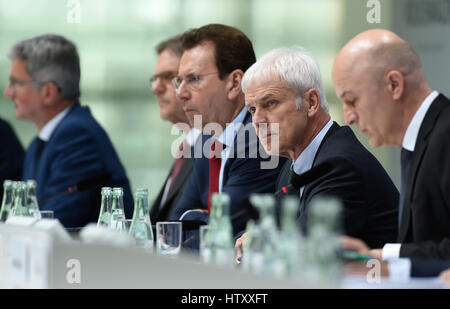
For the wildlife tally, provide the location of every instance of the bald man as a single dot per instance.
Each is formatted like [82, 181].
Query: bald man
[380, 80]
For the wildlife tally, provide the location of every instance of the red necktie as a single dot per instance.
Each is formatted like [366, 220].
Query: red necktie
[214, 170]
[177, 166]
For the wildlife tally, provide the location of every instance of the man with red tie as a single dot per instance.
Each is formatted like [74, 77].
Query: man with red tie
[215, 57]
[171, 109]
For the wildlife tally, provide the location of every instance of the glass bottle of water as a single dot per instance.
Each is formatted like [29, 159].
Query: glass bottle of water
[250, 245]
[104, 217]
[117, 209]
[141, 227]
[122, 225]
[32, 201]
[265, 256]
[219, 246]
[323, 230]
[7, 200]
[20, 206]
[292, 242]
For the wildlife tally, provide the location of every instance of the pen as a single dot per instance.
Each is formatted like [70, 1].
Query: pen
[354, 256]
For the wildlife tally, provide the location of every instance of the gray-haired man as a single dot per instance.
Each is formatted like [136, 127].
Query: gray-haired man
[71, 146]
[285, 87]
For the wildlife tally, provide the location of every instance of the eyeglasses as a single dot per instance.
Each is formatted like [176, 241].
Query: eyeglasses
[165, 77]
[192, 80]
[14, 83]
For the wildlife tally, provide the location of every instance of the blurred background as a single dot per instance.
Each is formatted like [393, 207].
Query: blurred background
[116, 40]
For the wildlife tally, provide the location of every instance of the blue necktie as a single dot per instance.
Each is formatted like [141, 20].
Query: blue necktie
[406, 156]
[37, 155]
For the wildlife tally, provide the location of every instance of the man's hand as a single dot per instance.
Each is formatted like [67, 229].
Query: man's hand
[238, 246]
[376, 253]
[354, 244]
[445, 276]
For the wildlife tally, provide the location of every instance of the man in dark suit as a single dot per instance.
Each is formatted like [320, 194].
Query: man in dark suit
[171, 109]
[380, 80]
[214, 60]
[71, 146]
[11, 155]
[284, 87]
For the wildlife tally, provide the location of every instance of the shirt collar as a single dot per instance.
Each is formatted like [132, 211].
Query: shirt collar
[305, 160]
[192, 136]
[229, 134]
[410, 138]
[50, 126]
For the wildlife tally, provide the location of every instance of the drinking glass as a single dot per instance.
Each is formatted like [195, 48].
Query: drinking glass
[46, 214]
[204, 252]
[168, 237]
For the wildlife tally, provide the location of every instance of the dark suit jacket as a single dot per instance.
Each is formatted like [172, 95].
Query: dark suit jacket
[11, 155]
[79, 148]
[162, 212]
[242, 176]
[425, 221]
[370, 199]
[428, 268]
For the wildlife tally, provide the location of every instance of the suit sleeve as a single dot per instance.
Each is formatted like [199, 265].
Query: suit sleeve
[344, 183]
[76, 157]
[435, 249]
[428, 249]
[369, 203]
[244, 178]
[427, 267]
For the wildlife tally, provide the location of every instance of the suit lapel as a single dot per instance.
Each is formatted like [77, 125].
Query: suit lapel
[283, 177]
[330, 132]
[31, 164]
[238, 150]
[421, 145]
[334, 127]
[415, 165]
[44, 162]
[186, 168]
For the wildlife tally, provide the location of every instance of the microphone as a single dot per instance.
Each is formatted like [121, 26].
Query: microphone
[305, 178]
[248, 209]
[84, 184]
[297, 182]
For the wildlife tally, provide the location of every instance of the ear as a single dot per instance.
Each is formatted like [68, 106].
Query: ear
[233, 85]
[49, 93]
[395, 84]
[312, 101]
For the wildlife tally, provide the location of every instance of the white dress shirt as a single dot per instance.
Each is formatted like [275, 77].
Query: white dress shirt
[305, 160]
[391, 251]
[227, 138]
[47, 131]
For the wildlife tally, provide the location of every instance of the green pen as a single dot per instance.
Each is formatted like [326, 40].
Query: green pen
[355, 256]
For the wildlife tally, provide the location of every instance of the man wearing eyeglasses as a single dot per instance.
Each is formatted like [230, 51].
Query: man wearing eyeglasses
[214, 60]
[71, 146]
[171, 109]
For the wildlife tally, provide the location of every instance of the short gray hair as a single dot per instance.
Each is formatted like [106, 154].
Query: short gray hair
[51, 58]
[294, 66]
